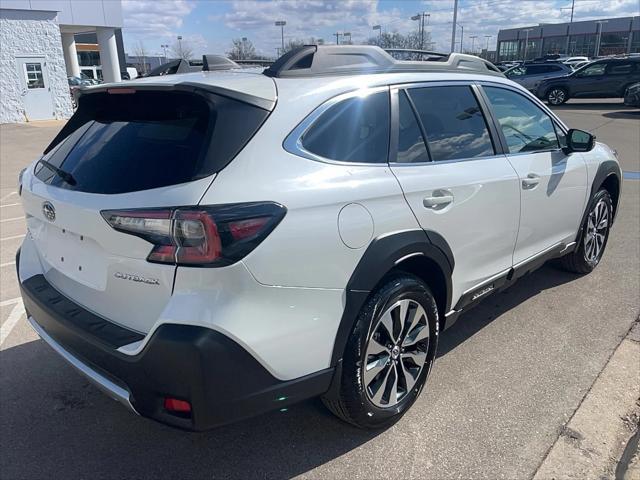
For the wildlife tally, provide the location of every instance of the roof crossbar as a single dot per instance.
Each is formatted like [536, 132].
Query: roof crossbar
[327, 60]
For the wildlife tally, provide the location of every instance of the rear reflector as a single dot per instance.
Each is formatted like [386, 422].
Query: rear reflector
[207, 236]
[175, 405]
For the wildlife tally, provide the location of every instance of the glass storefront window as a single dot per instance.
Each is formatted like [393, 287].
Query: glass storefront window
[635, 42]
[554, 45]
[614, 43]
[508, 51]
[582, 45]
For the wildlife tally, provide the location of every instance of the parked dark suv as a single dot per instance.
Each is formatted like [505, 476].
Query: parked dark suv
[604, 78]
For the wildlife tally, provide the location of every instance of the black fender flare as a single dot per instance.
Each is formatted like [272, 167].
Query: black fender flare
[380, 257]
[605, 170]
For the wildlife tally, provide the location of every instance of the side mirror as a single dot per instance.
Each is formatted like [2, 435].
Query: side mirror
[579, 141]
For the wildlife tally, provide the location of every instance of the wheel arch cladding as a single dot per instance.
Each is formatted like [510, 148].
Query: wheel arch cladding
[608, 176]
[424, 254]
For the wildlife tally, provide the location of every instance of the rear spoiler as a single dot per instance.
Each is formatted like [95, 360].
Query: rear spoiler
[82, 116]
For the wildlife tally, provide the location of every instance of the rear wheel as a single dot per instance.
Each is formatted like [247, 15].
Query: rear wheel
[557, 96]
[595, 233]
[389, 354]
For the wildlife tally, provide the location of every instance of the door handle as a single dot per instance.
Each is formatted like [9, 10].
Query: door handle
[531, 181]
[439, 199]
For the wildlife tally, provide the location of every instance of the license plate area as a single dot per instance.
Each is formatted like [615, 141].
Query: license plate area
[74, 255]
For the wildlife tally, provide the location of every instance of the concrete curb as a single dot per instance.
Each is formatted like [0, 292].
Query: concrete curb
[592, 443]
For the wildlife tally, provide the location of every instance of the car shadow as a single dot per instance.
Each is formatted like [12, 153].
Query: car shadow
[56, 425]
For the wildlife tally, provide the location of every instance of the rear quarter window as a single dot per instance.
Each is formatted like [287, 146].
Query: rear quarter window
[353, 130]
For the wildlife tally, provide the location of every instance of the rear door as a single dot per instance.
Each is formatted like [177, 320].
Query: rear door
[456, 180]
[553, 185]
[589, 81]
[147, 151]
[35, 88]
[618, 75]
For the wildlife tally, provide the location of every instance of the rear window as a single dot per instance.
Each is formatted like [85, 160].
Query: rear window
[150, 139]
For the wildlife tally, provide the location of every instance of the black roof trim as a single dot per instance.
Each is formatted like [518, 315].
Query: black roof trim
[321, 60]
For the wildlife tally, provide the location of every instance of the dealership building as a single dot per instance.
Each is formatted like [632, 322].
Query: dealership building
[40, 50]
[608, 36]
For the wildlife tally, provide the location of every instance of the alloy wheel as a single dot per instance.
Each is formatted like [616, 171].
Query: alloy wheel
[595, 233]
[556, 96]
[396, 353]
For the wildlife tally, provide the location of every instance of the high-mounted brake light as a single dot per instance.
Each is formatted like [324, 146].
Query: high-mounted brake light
[121, 91]
[209, 236]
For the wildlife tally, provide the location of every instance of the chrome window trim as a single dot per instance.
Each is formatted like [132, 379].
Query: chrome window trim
[293, 142]
[444, 162]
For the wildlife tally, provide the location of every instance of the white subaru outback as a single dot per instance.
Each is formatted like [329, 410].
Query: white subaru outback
[208, 246]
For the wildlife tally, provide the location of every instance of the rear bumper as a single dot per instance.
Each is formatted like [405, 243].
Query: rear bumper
[221, 380]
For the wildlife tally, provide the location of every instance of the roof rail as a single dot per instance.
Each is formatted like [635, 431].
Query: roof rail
[325, 60]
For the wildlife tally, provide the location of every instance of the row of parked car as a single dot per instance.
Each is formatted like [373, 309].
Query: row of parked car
[558, 81]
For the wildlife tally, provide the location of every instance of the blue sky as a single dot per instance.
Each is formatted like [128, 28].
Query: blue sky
[209, 25]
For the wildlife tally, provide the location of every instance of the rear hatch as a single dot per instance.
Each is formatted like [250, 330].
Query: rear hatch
[131, 149]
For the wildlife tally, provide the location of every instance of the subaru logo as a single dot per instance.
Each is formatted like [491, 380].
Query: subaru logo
[49, 211]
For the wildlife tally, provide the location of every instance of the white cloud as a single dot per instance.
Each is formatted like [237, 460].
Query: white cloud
[157, 17]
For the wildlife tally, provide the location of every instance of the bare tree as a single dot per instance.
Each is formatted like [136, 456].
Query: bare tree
[397, 40]
[292, 45]
[140, 52]
[182, 49]
[242, 49]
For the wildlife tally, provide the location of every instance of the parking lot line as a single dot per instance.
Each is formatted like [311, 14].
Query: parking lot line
[11, 322]
[7, 264]
[7, 196]
[14, 237]
[11, 301]
[10, 205]
[11, 219]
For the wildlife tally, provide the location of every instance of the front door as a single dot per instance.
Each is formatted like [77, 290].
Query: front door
[553, 185]
[457, 184]
[35, 88]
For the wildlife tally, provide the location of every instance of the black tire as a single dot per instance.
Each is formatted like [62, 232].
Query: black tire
[352, 402]
[556, 96]
[580, 260]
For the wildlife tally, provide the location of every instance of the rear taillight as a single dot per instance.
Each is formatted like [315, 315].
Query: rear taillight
[211, 236]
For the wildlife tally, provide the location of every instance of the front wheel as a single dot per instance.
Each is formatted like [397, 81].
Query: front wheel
[595, 233]
[388, 355]
[557, 96]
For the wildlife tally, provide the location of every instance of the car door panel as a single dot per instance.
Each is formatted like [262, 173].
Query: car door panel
[473, 203]
[553, 185]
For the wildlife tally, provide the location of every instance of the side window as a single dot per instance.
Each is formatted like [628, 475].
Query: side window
[353, 130]
[453, 122]
[593, 70]
[411, 146]
[524, 125]
[620, 68]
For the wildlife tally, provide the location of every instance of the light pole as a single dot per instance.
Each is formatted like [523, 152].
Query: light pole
[599, 37]
[526, 41]
[455, 22]
[488, 37]
[473, 42]
[281, 24]
[461, 35]
[421, 17]
[379, 28]
[164, 50]
[180, 45]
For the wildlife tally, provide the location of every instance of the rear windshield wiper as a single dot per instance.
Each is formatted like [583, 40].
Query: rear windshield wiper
[66, 176]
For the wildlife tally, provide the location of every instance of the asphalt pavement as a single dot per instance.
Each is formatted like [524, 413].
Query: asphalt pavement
[509, 375]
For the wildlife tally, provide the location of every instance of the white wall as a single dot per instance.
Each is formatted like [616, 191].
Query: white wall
[24, 32]
[96, 13]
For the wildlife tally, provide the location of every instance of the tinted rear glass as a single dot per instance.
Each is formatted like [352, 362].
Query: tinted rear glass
[353, 130]
[150, 139]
